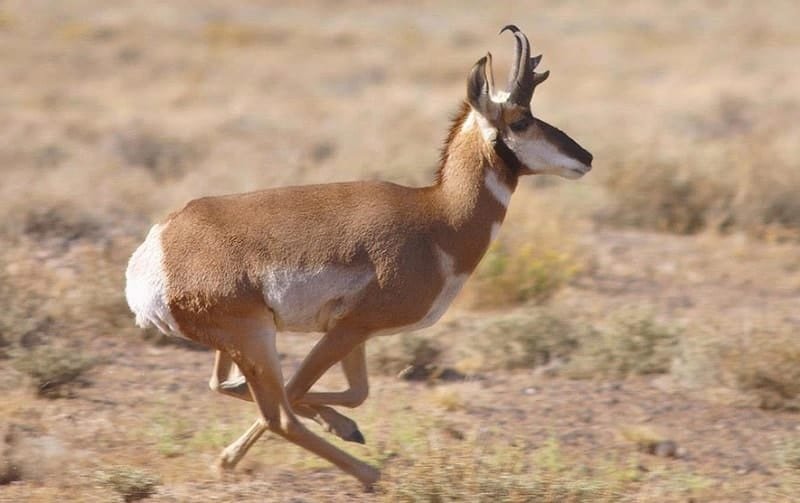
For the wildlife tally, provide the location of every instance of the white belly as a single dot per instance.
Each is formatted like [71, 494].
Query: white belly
[146, 285]
[312, 300]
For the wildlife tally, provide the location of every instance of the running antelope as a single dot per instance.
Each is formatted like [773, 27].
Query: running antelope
[350, 260]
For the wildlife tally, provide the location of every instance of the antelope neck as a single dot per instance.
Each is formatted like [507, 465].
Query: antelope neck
[507, 155]
[474, 189]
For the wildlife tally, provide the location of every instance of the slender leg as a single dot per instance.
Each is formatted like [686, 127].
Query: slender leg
[334, 346]
[355, 371]
[255, 353]
[232, 454]
[228, 379]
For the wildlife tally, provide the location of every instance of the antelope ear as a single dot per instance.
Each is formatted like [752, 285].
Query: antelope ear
[478, 92]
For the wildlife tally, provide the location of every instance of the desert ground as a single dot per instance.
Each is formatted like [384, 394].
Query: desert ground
[632, 336]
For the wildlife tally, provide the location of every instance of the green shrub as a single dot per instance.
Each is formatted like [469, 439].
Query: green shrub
[633, 344]
[509, 275]
[391, 355]
[525, 340]
[759, 365]
[130, 483]
[54, 370]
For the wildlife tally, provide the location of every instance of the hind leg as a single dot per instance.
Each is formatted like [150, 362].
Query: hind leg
[251, 345]
[227, 379]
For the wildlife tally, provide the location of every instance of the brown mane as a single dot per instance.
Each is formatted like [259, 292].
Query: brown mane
[455, 126]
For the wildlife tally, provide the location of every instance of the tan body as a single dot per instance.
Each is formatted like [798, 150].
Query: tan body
[378, 261]
[352, 260]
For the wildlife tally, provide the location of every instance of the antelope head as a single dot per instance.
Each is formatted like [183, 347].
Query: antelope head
[526, 143]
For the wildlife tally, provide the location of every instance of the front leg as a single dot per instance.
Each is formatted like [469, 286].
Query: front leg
[226, 378]
[355, 371]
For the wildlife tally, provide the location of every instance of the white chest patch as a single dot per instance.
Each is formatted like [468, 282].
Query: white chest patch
[494, 232]
[146, 285]
[499, 190]
[311, 300]
[452, 285]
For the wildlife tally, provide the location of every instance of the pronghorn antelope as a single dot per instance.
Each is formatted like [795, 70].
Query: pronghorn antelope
[351, 260]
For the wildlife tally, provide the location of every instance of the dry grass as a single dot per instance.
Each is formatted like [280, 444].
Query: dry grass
[525, 340]
[476, 469]
[633, 343]
[746, 188]
[754, 367]
[732, 170]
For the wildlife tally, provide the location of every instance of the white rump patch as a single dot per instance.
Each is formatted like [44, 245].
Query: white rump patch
[311, 300]
[499, 190]
[452, 285]
[146, 285]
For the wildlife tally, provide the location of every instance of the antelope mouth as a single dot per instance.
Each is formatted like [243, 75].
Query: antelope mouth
[584, 169]
[576, 171]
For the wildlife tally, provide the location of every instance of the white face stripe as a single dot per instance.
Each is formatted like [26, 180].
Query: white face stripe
[541, 156]
[499, 190]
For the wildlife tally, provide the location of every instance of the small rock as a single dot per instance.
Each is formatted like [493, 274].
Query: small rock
[550, 369]
[9, 471]
[448, 374]
[416, 373]
[665, 449]
[454, 433]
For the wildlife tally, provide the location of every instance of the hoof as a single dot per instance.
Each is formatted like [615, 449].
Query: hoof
[356, 437]
[223, 465]
[371, 479]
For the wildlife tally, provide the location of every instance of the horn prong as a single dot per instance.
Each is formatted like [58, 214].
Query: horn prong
[538, 78]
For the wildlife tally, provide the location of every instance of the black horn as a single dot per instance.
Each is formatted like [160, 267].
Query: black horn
[522, 80]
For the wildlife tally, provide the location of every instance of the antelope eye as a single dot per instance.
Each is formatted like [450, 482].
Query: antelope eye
[520, 125]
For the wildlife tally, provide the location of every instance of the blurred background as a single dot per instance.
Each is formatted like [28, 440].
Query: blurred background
[631, 336]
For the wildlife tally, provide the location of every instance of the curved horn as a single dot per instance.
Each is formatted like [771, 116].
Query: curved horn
[522, 79]
[514, 71]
